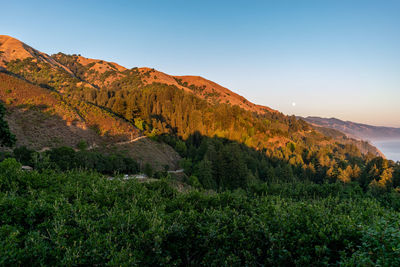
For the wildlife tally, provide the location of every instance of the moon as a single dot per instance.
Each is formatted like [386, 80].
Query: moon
[293, 104]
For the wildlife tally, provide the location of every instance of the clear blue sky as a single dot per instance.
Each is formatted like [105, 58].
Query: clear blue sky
[333, 58]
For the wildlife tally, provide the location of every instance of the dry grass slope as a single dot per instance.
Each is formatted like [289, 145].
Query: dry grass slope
[41, 118]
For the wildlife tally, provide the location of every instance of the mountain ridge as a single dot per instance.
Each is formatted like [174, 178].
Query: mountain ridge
[357, 130]
[15, 49]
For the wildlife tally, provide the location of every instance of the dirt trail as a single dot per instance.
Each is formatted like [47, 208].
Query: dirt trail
[131, 141]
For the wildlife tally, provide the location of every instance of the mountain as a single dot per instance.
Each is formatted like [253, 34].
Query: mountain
[215, 92]
[101, 73]
[42, 117]
[224, 139]
[357, 130]
[363, 145]
[13, 49]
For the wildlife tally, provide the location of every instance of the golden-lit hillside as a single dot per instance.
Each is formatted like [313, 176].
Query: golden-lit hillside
[103, 102]
[41, 118]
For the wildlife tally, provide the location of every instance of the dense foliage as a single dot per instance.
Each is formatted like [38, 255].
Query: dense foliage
[6, 137]
[80, 218]
[221, 164]
[66, 158]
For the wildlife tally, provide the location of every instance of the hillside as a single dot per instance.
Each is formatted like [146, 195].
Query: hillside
[215, 92]
[13, 49]
[41, 119]
[103, 74]
[225, 141]
[357, 130]
[364, 146]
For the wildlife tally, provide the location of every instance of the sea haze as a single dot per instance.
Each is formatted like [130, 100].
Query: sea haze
[390, 148]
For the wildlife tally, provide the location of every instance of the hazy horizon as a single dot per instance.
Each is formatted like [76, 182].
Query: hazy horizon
[328, 59]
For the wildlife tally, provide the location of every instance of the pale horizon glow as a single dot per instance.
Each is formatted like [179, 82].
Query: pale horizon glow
[309, 58]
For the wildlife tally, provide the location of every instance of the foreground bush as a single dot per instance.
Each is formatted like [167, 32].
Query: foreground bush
[81, 218]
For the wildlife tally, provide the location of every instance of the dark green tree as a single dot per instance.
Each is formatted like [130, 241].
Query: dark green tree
[203, 170]
[235, 170]
[148, 170]
[6, 137]
[82, 145]
[23, 155]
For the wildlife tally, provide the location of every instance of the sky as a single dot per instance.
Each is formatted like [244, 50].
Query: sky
[330, 58]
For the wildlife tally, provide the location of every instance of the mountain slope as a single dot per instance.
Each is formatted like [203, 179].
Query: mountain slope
[25, 97]
[364, 146]
[142, 96]
[13, 49]
[41, 118]
[103, 74]
[224, 139]
[208, 89]
[357, 130]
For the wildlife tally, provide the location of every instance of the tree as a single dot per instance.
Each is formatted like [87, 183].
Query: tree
[356, 173]
[234, 168]
[148, 170]
[181, 148]
[291, 146]
[82, 145]
[139, 123]
[6, 137]
[203, 170]
[193, 181]
[345, 175]
[269, 174]
[385, 179]
[396, 176]
[23, 155]
[187, 165]
[63, 157]
[284, 173]
[371, 175]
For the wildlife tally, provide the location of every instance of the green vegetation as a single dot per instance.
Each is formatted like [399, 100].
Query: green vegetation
[224, 146]
[194, 88]
[43, 74]
[66, 158]
[221, 164]
[259, 189]
[6, 137]
[81, 218]
[60, 104]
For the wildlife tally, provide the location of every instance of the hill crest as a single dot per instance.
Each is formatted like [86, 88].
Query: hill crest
[13, 49]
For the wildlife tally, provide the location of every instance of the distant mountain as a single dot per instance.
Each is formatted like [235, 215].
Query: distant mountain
[357, 130]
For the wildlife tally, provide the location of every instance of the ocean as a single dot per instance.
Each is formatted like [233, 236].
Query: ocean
[390, 148]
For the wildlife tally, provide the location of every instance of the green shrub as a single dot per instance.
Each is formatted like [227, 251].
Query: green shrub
[148, 170]
[23, 155]
[82, 218]
[193, 181]
[380, 245]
